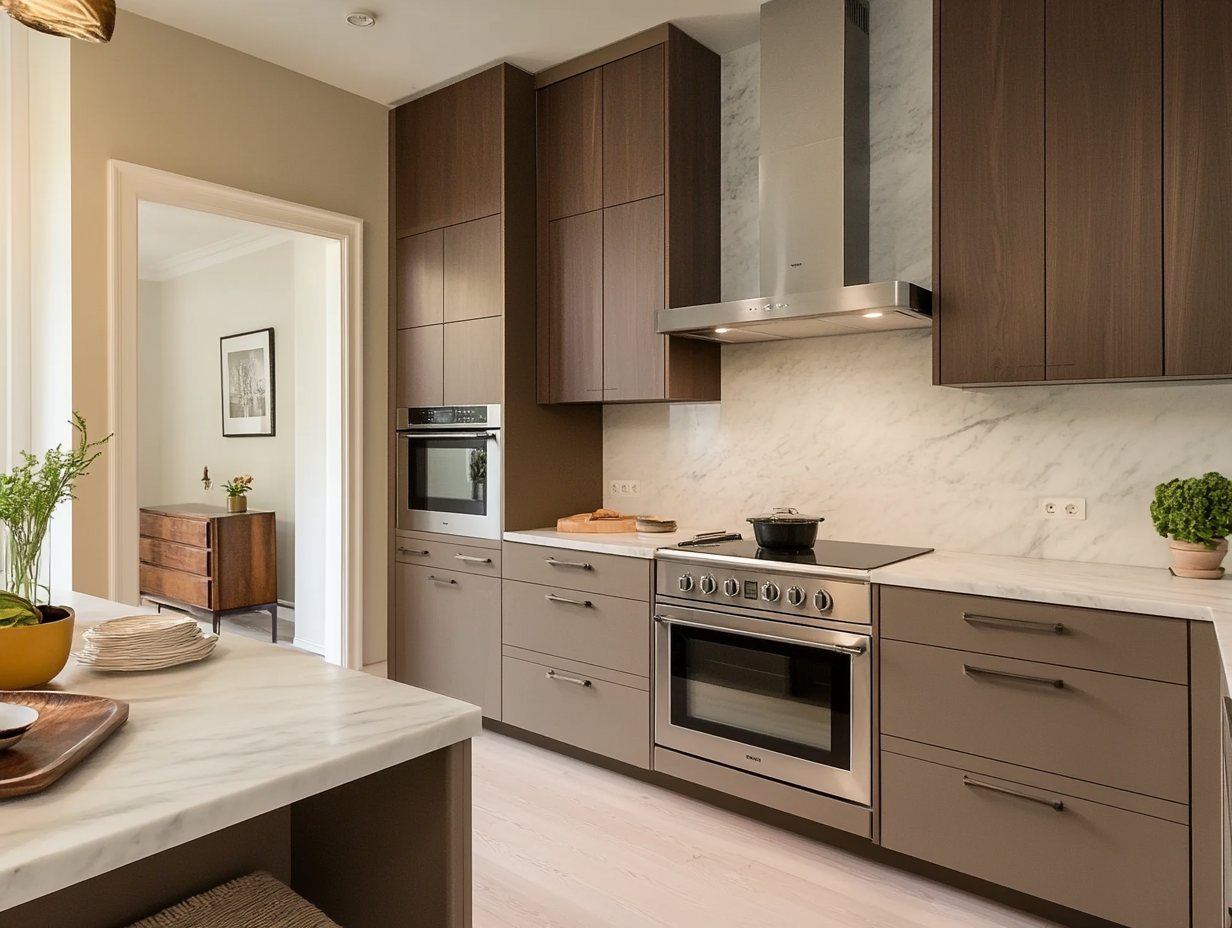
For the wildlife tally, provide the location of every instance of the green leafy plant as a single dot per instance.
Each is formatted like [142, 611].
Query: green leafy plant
[17, 612]
[479, 465]
[1197, 510]
[238, 486]
[29, 495]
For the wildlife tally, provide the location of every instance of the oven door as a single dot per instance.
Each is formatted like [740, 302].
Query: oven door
[788, 702]
[449, 482]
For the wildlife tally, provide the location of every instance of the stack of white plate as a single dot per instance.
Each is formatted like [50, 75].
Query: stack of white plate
[15, 721]
[145, 642]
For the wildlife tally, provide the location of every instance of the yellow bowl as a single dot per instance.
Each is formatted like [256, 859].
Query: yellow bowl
[32, 655]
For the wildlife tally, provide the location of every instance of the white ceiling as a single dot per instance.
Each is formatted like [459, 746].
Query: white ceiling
[417, 45]
[172, 241]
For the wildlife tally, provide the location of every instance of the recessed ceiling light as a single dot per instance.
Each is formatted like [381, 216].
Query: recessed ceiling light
[873, 315]
[721, 331]
[361, 19]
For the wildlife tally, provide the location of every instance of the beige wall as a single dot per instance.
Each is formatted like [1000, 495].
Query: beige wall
[165, 99]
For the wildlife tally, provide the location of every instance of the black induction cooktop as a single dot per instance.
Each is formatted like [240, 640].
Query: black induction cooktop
[850, 555]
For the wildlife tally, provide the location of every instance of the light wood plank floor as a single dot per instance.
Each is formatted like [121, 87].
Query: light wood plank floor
[562, 844]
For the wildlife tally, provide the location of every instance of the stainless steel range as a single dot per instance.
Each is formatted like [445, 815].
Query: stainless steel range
[763, 659]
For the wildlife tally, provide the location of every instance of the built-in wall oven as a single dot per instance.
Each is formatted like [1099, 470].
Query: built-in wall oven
[449, 470]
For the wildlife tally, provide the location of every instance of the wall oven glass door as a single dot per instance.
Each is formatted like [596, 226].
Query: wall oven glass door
[449, 482]
[784, 701]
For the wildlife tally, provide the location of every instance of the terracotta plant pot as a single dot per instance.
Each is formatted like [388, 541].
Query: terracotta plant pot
[237, 504]
[1198, 562]
[32, 655]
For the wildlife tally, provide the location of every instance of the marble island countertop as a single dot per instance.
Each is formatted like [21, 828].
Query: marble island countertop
[207, 745]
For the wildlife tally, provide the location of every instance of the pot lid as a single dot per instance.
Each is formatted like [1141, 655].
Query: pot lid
[785, 517]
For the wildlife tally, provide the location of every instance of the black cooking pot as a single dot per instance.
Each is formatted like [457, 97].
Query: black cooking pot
[785, 528]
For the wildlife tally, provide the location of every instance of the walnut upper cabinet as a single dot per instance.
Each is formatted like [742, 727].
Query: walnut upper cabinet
[1083, 190]
[628, 220]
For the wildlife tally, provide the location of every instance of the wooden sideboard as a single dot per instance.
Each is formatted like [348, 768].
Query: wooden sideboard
[210, 562]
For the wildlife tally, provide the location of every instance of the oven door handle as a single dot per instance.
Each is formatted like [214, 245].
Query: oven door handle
[854, 650]
[443, 434]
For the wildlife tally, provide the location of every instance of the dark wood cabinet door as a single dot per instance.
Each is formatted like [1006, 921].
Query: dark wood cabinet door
[448, 154]
[420, 374]
[571, 144]
[633, 255]
[473, 270]
[420, 296]
[1104, 170]
[633, 127]
[575, 307]
[989, 230]
[1198, 187]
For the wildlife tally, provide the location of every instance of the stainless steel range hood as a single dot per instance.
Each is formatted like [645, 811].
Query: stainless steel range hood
[814, 180]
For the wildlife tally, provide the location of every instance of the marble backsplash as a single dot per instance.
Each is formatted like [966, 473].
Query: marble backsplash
[852, 429]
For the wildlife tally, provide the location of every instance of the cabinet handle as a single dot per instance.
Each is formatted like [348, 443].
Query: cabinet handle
[553, 675]
[416, 553]
[1022, 625]
[472, 560]
[1026, 678]
[436, 579]
[553, 598]
[552, 562]
[992, 787]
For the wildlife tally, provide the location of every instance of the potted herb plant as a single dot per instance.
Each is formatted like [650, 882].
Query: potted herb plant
[479, 473]
[35, 639]
[236, 489]
[1197, 514]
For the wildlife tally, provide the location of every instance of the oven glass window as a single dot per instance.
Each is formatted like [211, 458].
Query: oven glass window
[783, 697]
[448, 475]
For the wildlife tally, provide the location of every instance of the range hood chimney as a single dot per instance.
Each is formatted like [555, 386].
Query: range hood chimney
[814, 181]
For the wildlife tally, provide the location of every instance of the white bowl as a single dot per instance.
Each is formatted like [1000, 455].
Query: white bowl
[15, 720]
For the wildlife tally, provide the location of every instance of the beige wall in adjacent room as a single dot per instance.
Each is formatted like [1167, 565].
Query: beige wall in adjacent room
[165, 99]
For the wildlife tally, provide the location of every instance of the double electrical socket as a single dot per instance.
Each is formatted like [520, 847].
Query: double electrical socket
[623, 488]
[1063, 508]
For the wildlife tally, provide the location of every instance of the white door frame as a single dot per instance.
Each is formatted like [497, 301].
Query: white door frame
[127, 185]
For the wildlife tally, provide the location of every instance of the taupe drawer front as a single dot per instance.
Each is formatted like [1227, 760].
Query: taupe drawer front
[610, 574]
[606, 631]
[1117, 731]
[578, 708]
[160, 553]
[1129, 868]
[176, 584]
[195, 532]
[448, 556]
[1115, 642]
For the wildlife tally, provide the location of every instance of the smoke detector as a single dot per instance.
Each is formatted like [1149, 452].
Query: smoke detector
[361, 19]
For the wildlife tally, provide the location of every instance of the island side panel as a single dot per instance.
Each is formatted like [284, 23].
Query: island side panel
[391, 850]
[1206, 776]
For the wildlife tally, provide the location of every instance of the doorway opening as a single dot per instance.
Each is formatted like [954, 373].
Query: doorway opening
[235, 327]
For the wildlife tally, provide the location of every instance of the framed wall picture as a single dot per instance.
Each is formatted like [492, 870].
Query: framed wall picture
[248, 401]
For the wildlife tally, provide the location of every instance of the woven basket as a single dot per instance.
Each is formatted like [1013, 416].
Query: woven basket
[254, 901]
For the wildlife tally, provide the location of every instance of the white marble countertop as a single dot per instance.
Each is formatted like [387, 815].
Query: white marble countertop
[626, 544]
[1145, 590]
[251, 729]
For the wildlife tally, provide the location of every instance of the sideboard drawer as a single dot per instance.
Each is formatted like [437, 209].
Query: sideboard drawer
[1122, 866]
[195, 532]
[176, 584]
[1118, 731]
[1113, 642]
[159, 553]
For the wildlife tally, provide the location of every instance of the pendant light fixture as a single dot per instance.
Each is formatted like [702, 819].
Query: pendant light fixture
[89, 20]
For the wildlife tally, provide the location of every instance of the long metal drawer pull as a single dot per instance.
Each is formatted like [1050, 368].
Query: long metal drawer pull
[442, 580]
[553, 675]
[1024, 625]
[553, 598]
[552, 562]
[854, 650]
[1055, 803]
[416, 553]
[1026, 678]
[472, 560]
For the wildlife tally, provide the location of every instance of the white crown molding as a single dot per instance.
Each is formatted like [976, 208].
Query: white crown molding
[198, 259]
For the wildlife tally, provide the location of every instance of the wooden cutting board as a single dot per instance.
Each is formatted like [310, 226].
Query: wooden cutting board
[69, 728]
[585, 523]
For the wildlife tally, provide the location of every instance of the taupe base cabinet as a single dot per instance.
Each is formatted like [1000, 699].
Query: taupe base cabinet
[576, 649]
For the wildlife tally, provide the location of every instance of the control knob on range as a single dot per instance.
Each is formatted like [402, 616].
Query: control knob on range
[770, 591]
[685, 583]
[796, 596]
[823, 601]
[709, 584]
[731, 586]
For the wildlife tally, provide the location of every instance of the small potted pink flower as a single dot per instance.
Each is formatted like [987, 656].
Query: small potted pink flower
[237, 488]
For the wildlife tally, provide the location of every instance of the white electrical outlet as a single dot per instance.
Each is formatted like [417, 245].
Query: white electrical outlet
[1073, 508]
[623, 487]
[613, 488]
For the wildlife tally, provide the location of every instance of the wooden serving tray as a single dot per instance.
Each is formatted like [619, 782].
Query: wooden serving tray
[69, 728]
[587, 524]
